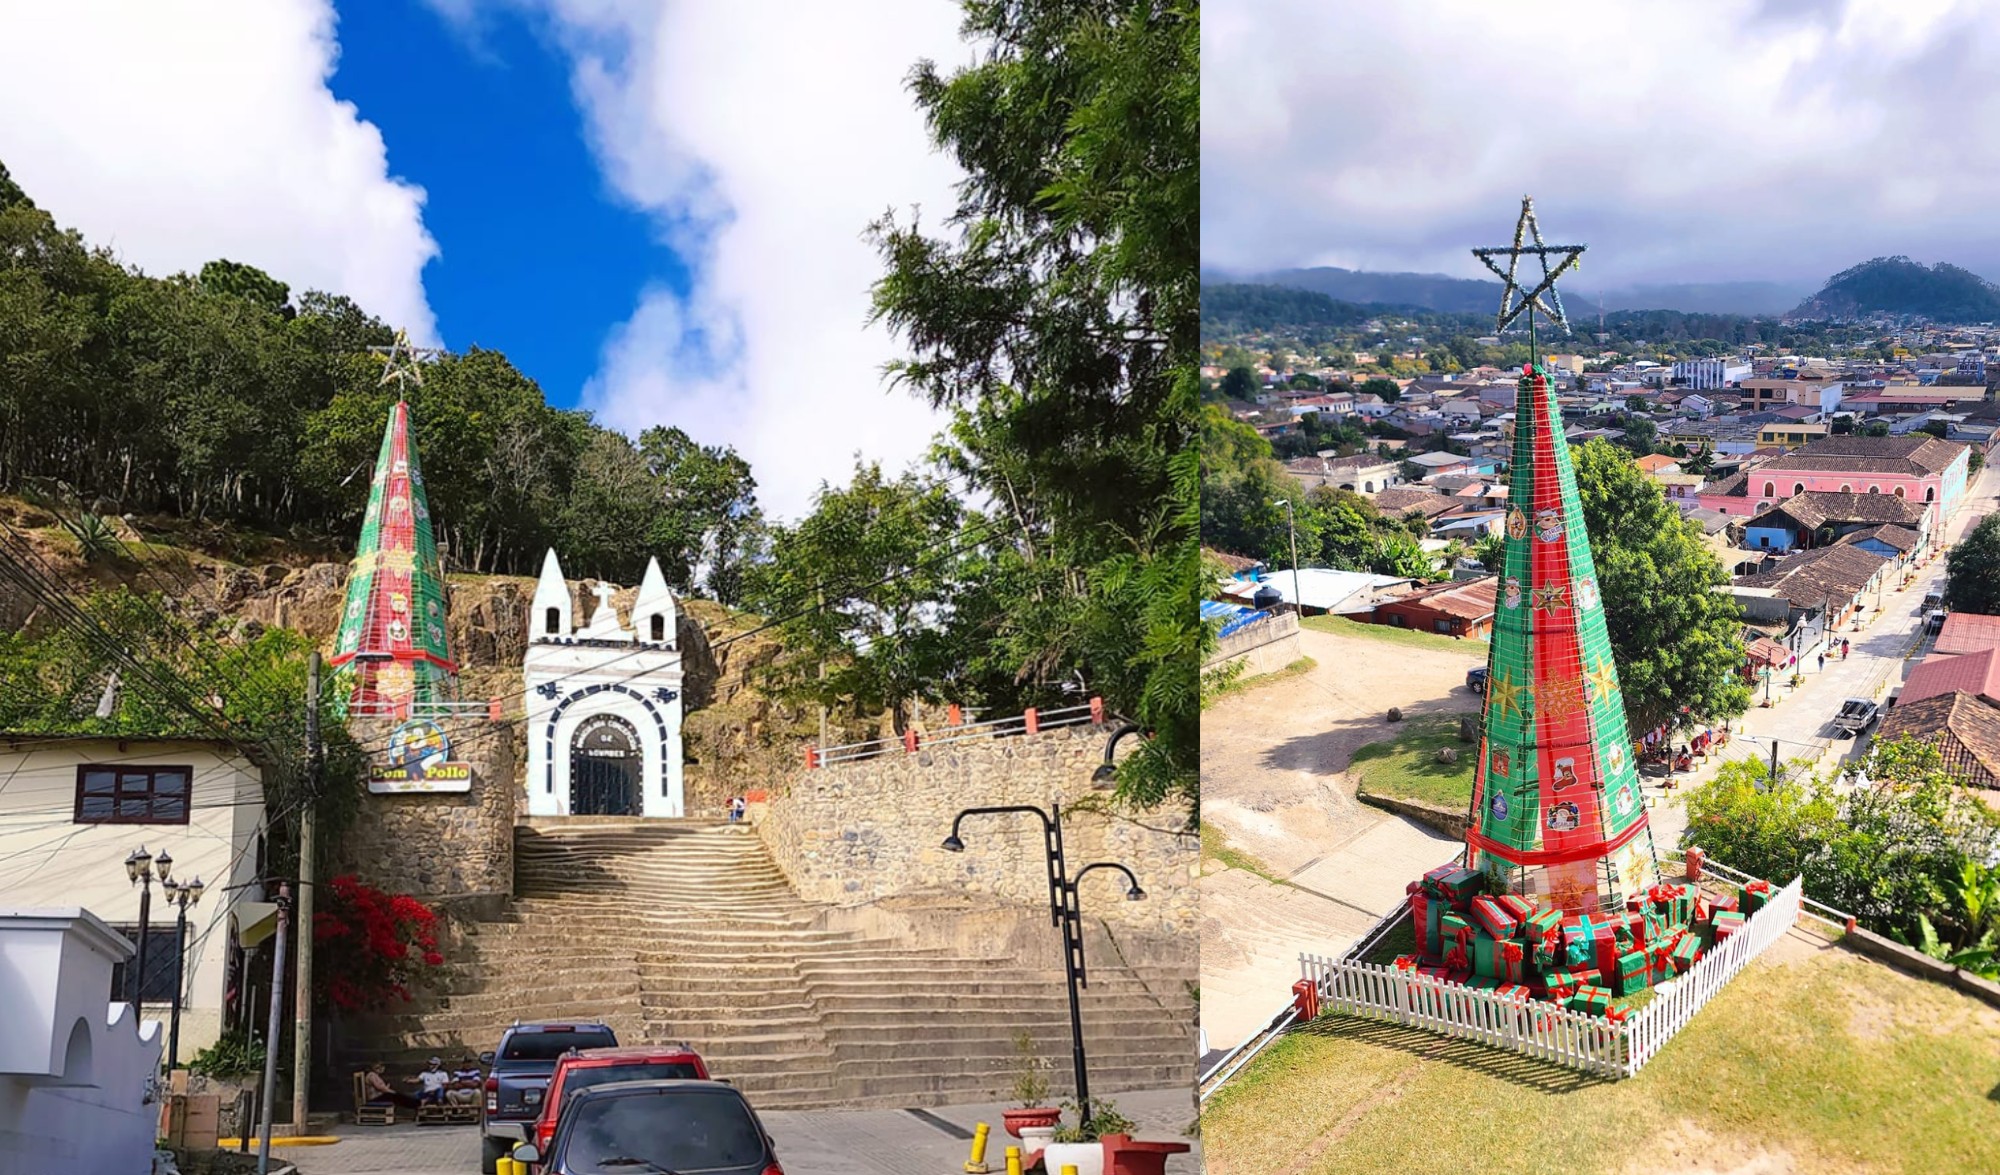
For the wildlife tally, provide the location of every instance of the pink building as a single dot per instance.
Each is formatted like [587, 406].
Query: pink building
[1919, 468]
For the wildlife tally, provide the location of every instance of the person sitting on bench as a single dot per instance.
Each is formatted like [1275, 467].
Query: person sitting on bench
[466, 1082]
[435, 1080]
[379, 1092]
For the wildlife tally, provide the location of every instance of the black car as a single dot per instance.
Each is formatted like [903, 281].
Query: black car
[1475, 679]
[519, 1076]
[656, 1128]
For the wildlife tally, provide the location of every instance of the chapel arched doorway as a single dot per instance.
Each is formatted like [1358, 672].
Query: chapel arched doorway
[606, 768]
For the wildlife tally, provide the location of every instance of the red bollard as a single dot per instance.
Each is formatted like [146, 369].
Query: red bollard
[1694, 860]
[1034, 723]
[1097, 711]
[812, 758]
[1305, 997]
[953, 716]
[910, 740]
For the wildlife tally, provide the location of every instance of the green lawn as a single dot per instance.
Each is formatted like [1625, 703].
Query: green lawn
[1341, 626]
[1831, 1064]
[1297, 668]
[1406, 766]
[1216, 847]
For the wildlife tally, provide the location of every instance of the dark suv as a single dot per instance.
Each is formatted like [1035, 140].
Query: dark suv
[519, 1076]
[656, 1126]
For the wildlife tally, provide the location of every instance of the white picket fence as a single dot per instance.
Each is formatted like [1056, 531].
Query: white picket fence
[1539, 1029]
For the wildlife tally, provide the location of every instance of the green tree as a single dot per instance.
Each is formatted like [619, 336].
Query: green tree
[1973, 567]
[1239, 383]
[1636, 404]
[1677, 642]
[1378, 386]
[1065, 306]
[870, 571]
[1639, 435]
[707, 514]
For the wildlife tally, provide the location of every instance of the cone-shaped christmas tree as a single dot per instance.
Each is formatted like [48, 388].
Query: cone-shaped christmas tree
[1557, 813]
[392, 633]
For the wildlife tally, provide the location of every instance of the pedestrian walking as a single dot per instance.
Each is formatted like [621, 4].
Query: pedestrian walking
[1822, 660]
[1843, 648]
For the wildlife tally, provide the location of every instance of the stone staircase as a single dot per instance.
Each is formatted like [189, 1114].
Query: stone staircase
[685, 930]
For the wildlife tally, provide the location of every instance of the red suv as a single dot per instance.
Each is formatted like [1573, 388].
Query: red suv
[582, 1068]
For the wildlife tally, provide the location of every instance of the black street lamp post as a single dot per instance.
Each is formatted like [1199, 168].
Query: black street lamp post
[139, 868]
[182, 895]
[1065, 915]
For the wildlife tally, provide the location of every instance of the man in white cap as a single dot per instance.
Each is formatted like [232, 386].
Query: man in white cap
[434, 1081]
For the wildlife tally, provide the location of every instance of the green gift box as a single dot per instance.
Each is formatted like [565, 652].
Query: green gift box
[1482, 982]
[1755, 895]
[1454, 885]
[1727, 922]
[1590, 998]
[1496, 958]
[1454, 927]
[1543, 930]
[1659, 924]
[1684, 952]
[1634, 973]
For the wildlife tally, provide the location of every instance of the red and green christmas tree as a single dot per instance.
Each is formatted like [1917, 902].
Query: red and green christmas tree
[392, 642]
[1556, 809]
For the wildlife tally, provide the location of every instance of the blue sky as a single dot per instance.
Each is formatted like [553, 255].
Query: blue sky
[538, 258]
[655, 208]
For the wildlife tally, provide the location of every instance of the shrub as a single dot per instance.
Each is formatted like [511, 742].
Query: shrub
[372, 946]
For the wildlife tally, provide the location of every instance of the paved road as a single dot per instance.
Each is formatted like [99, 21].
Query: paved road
[810, 1142]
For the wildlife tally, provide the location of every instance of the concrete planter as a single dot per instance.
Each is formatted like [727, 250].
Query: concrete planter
[1016, 1120]
[1086, 1157]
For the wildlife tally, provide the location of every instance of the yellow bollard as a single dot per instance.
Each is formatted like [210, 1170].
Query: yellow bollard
[508, 1165]
[976, 1165]
[1069, 1169]
[1013, 1160]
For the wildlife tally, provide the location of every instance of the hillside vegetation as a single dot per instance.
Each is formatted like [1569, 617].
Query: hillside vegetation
[1898, 285]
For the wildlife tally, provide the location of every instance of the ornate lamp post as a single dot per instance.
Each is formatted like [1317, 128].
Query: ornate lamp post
[1065, 915]
[182, 895]
[139, 869]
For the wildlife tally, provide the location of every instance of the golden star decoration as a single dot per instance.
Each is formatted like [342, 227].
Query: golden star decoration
[1502, 694]
[1551, 596]
[1603, 678]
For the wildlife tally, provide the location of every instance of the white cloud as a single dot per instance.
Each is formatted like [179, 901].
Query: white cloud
[177, 132]
[1698, 140]
[763, 137]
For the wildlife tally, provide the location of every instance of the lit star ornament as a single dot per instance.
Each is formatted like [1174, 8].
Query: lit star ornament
[400, 362]
[1513, 301]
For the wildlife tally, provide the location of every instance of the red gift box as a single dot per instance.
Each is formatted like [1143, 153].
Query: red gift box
[1420, 917]
[1456, 960]
[1458, 974]
[1521, 908]
[1724, 903]
[1512, 958]
[1604, 951]
[1513, 991]
[1435, 972]
[1495, 919]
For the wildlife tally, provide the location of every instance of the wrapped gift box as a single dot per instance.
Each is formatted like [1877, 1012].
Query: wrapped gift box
[1634, 973]
[1454, 885]
[1420, 922]
[1454, 928]
[1685, 952]
[1492, 917]
[1658, 927]
[1543, 929]
[1605, 951]
[1521, 908]
[1498, 960]
[1434, 972]
[1590, 998]
[1458, 959]
[1458, 975]
[1482, 983]
[1513, 991]
[1727, 923]
[1561, 984]
[1755, 896]
[1726, 902]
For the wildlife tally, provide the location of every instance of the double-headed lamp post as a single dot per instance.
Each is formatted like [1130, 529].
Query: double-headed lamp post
[182, 895]
[139, 868]
[1065, 915]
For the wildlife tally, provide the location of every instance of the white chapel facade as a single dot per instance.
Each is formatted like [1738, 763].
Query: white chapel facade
[603, 702]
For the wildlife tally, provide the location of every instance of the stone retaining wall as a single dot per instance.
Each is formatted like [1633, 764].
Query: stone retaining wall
[442, 845]
[1264, 647]
[861, 832]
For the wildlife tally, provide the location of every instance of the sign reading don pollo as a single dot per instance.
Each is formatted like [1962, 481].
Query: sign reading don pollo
[419, 760]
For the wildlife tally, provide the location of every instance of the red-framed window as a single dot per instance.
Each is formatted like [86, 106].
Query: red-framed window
[122, 794]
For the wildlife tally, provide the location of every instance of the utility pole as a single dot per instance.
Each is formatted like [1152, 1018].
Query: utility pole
[302, 995]
[1291, 524]
[271, 1030]
[822, 677]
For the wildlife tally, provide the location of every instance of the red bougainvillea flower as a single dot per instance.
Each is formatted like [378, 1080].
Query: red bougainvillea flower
[377, 944]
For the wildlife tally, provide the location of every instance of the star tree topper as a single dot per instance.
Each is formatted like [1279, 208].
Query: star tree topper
[400, 362]
[1514, 302]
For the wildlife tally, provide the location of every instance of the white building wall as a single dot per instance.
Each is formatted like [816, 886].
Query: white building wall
[77, 1072]
[48, 859]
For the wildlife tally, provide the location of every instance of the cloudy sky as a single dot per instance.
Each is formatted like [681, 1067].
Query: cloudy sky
[654, 207]
[1699, 140]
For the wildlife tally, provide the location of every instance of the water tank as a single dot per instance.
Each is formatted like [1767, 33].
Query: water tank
[1267, 597]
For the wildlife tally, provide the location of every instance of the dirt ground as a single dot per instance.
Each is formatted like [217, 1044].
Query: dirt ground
[1275, 783]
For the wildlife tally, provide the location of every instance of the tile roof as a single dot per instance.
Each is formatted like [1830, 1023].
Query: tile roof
[1909, 456]
[1967, 632]
[1903, 538]
[1808, 578]
[1965, 728]
[1815, 508]
[1397, 501]
[1231, 563]
[1470, 600]
[1972, 673]
[1653, 462]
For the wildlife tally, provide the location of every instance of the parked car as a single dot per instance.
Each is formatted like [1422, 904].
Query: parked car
[1475, 679]
[656, 1126]
[1934, 621]
[580, 1070]
[1856, 715]
[1933, 601]
[518, 1077]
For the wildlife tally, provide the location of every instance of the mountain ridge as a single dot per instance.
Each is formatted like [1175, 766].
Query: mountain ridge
[1444, 294]
[1897, 285]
